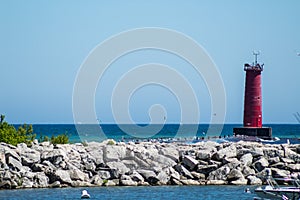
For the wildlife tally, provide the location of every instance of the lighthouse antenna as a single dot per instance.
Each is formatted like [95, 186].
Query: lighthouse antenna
[256, 53]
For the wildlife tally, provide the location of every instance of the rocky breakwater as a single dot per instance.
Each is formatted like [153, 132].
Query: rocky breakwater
[108, 164]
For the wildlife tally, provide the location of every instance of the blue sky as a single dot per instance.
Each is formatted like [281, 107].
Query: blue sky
[43, 44]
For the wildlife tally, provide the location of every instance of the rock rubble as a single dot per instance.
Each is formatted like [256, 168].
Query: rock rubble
[106, 164]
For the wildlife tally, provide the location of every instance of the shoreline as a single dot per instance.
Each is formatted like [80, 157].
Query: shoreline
[108, 163]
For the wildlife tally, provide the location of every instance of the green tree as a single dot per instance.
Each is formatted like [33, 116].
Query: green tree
[10, 135]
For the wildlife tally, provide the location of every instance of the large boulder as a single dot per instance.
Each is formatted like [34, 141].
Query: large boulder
[219, 174]
[119, 166]
[135, 176]
[227, 152]
[247, 159]
[14, 164]
[162, 161]
[112, 153]
[216, 182]
[240, 181]
[54, 156]
[235, 174]
[2, 158]
[41, 180]
[29, 156]
[279, 173]
[76, 174]
[170, 152]
[189, 162]
[261, 164]
[104, 174]
[62, 175]
[149, 176]
[294, 167]
[204, 154]
[163, 177]
[126, 180]
[253, 180]
[271, 152]
[206, 169]
[183, 171]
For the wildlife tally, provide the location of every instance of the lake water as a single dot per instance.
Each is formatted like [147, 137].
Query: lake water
[134, 193]
[113, 131]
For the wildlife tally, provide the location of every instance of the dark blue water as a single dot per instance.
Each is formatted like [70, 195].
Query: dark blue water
[134, 193]
[113, 131]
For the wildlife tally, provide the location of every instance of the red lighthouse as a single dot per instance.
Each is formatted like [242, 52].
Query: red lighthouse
[253, 103]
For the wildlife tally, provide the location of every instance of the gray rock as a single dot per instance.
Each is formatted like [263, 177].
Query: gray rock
[261, 164]
[279, 173]
[176, 182]
[2, 157]
[219, 174]
[41, 179]
[183, 171]
[135, 176]
[294, 167]
[119, 166]
[190, 182]
[286, 160]
[30, 156]
[254, 150]
[126, 180]
[271, 152]
[253, 180]
[131, 164]
[174, 174]
[189, 162]
[204, 154]
[163, 177]
[246, 159]
[104, 174]
[76, 174]
[113, 182]
[235, 174]
[113, 153]
[55, 156]
[279, 165]
[79, 183]
[90, 166]
[247, 171]
[63, 176]
[240, 181]
[96, 180]
[149, 176]
[55, 184]
[274, 160]
[27, 183]
[5, 184]
[163, 161]
[216, 182]
[128, 183]
[170, 152]
[227, 152]
[198, 176]
[206, 169]
[14, 163]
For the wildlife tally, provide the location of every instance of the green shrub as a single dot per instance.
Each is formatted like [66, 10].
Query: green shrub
[9, 134]
[111, 142]
[60, 139]
[24, 134]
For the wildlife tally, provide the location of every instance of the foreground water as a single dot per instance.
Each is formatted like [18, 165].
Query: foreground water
[134, 193]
